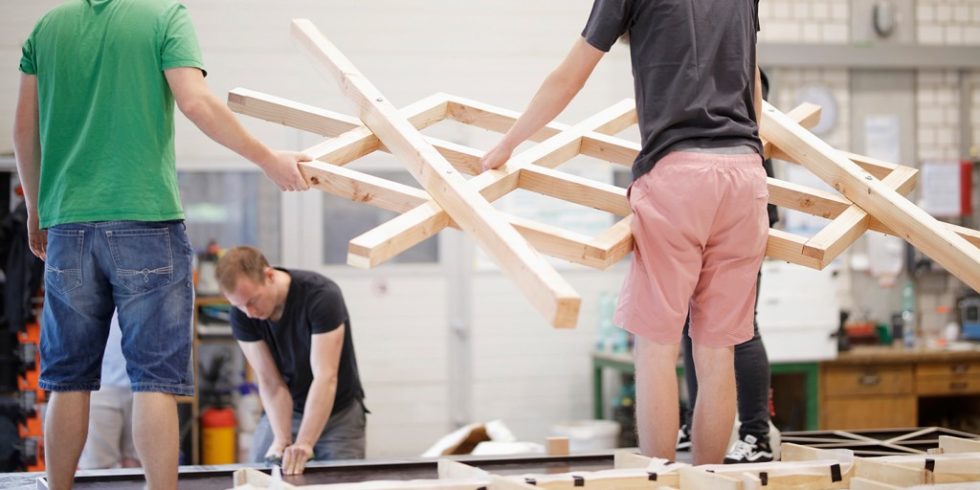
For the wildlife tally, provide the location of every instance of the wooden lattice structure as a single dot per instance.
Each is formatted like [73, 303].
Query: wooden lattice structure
[871, 191]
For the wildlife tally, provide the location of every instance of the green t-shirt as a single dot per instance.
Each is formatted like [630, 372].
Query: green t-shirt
[106, 111]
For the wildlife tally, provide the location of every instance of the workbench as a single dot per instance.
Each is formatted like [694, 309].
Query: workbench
[867, 387]
[878, 387]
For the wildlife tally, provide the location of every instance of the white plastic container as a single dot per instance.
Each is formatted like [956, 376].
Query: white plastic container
[799, 311]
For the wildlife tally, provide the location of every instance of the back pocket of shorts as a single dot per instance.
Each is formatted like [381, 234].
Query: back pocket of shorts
[142, 257]
[63, 267]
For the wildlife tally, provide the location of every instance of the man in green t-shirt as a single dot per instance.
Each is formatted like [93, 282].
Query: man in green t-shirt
[94, 139]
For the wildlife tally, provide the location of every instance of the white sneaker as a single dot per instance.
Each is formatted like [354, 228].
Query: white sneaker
[684, 438]
[749, 449]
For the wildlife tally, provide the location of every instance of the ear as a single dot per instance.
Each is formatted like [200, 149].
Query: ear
[268, 273]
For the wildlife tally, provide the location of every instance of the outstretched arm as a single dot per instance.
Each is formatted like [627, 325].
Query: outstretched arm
[196, 101]
[552, 97]
[758, 90]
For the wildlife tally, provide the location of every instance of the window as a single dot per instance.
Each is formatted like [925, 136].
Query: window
[233, 208]
[344, 219]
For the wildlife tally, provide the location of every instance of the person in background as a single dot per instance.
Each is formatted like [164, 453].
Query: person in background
[94, 143]
[295, 331]
[698, 196]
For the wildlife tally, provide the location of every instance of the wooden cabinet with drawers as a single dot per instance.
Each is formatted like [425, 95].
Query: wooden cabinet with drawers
[949, 378]
[873, 388]
[868, 397]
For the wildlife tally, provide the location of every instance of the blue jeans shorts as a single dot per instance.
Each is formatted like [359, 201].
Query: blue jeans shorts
[141, 269]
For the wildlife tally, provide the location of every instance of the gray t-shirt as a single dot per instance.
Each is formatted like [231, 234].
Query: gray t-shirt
[693, 71]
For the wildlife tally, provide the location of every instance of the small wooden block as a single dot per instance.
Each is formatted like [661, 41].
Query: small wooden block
[557, 446]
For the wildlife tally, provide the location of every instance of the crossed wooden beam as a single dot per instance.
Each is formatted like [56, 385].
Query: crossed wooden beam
[872, 190]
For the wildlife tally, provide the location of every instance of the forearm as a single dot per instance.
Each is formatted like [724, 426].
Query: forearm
[554, 95]
[757, 98]
[319, 404]
[278, 405]
[27, 150]
[28, 154]
[220, 124]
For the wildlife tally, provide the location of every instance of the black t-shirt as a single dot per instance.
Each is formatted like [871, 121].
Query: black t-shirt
[693, 71]
[314, 305]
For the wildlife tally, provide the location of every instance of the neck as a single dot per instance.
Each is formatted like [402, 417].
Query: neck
[281, 281]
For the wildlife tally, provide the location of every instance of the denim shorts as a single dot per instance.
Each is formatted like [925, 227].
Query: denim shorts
[141, 269]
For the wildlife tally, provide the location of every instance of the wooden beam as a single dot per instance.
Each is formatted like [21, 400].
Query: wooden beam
[698, 479]
[361, 187]
[806, 114]
[879, 168]
[361, 141]
[290, 113]
[501, 483]
[834, 238]
[327, 123]
[876, 470]
[913, 224]
[615, 242]
[796, 452]
[848, 226]
[811, 201]
[550, 294]
[478, 114]
[571, 188]
[252, 478]
[625, 459]
[787, 246]
[610, 149]
[616, 479]
[830, 205]
[950, 444]
[448, 469]
[866, 484]
[560, 243]
[499, 120]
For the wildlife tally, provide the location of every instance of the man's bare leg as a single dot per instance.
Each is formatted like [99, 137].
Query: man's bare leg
[714, 412]
[157, 438]
[65, 431]
[657, 412]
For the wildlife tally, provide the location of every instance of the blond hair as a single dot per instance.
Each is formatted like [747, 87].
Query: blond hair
[238, 262]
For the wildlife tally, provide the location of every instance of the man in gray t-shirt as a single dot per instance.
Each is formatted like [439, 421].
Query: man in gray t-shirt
[700, 223]
[690, 71]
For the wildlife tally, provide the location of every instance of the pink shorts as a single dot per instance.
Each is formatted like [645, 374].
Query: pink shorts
[700, 229]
